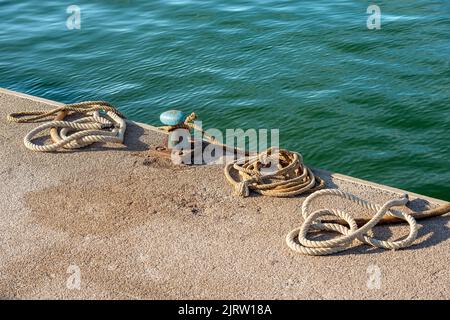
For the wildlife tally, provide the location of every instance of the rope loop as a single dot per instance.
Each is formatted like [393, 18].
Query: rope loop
[101, 123]
[298, 240]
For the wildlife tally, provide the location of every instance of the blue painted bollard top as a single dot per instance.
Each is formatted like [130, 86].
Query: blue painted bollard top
[171, 117]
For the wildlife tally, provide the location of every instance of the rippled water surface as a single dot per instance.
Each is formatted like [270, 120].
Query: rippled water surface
[374, 104]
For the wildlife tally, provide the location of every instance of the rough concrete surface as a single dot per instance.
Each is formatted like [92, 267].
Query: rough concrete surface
[139, 227]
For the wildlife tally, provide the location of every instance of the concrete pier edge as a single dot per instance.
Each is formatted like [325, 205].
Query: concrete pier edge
[333, 174]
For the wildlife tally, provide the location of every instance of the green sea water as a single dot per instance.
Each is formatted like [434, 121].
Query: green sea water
[373, 104]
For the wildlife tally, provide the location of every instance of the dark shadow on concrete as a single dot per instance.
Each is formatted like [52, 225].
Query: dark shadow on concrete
[133, 135]
[326, 177]
[436, 229]
[417, 205]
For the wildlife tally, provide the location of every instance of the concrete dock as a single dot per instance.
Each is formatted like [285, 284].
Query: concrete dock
[114, 222]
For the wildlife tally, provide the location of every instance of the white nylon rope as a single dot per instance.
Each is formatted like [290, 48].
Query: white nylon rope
[297, 238]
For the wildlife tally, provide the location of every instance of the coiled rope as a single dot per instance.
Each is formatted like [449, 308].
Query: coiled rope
[95, 126]
[290, 178]
[344, 242]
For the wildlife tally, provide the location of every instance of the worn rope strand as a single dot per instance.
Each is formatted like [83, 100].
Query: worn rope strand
[83, 107]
